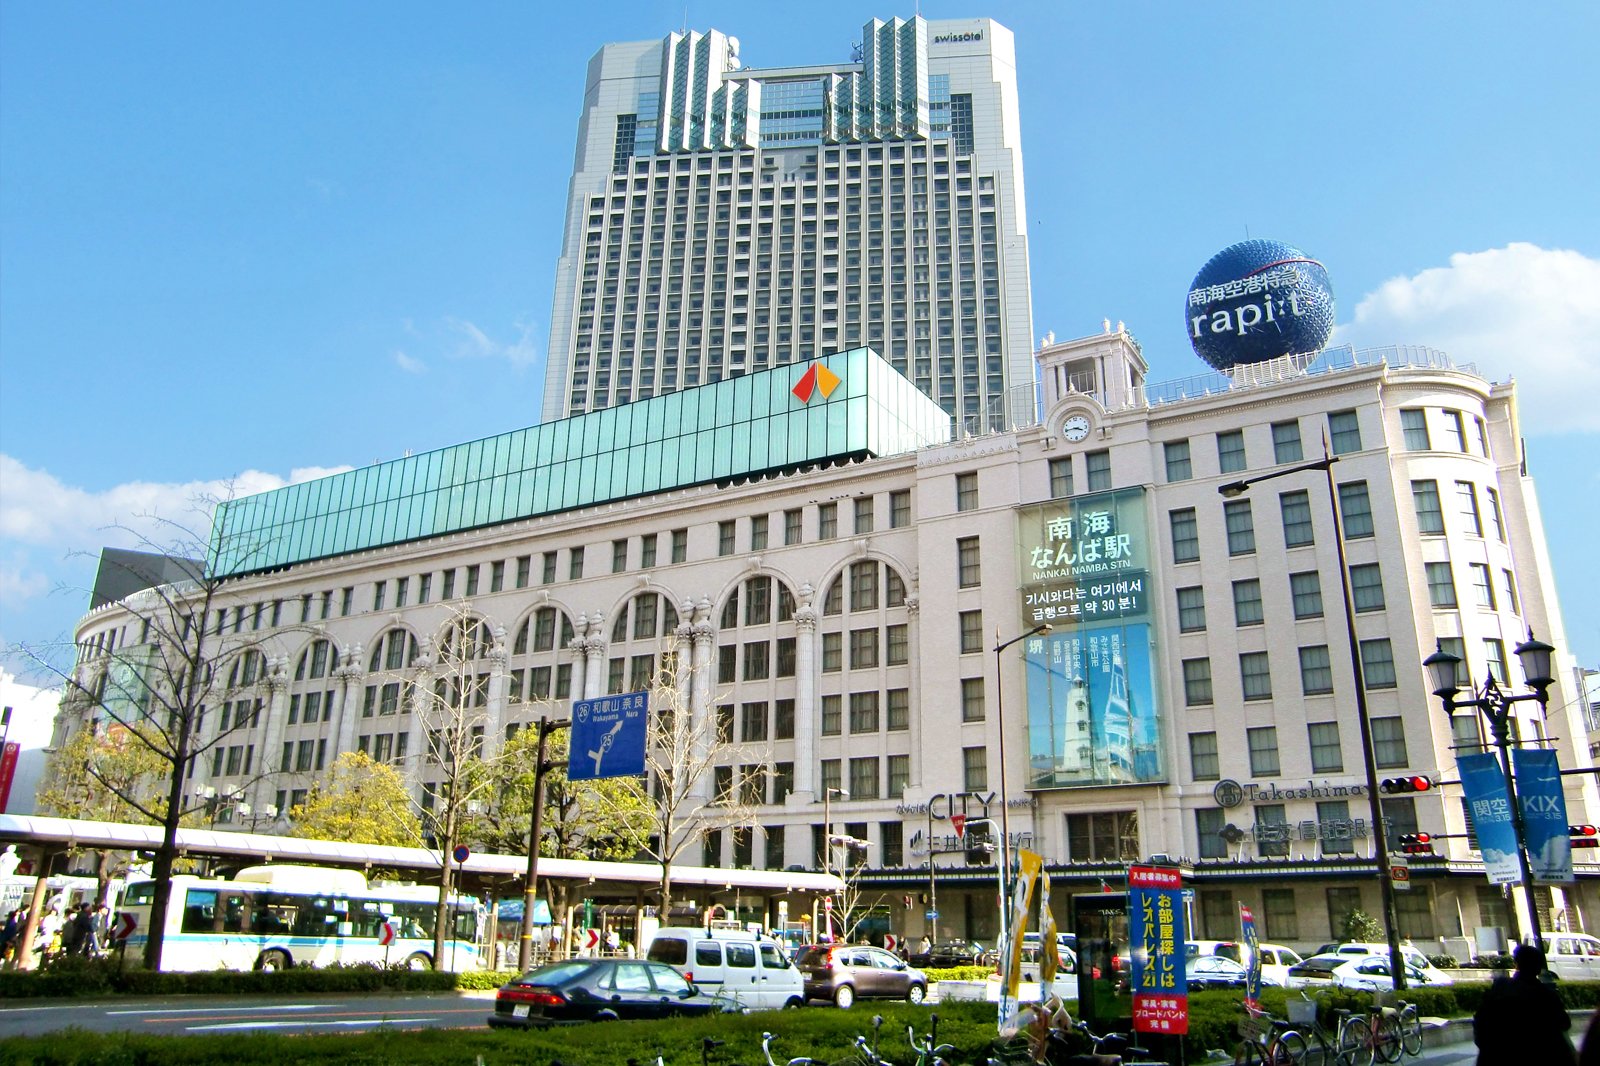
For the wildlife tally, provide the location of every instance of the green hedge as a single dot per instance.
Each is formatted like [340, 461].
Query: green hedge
[72, 976]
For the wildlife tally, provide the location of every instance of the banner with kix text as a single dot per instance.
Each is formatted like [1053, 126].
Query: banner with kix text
[1544, 814]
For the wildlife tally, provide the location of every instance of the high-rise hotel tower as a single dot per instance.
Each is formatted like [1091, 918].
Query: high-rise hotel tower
[724, 219]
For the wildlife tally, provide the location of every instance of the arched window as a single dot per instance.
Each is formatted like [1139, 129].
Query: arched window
[248, 668]
[395, 650]
[316, 661]
[535, 671]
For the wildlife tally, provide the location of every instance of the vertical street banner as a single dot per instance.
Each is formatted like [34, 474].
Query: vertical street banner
[8, 770]
[608, 737]
[1049, 948]
[1160, 954]
[1544, 814]
[1252, 978]
[1484, 786]
[1028, 866]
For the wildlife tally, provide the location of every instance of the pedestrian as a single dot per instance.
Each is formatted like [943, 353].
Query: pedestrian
[1522, 1019]
[10, 933]
[924, 946]
[84, 940]
[47, 938]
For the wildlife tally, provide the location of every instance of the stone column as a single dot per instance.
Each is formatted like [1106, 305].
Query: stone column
[807, 713]
[277, 682]
[914, 689]
[702, 715]
[416, 703]
[594, 675]
[350, 675]
[578, 646]
[495, 718]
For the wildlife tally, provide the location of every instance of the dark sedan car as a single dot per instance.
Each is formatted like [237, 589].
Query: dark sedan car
[592, 990]
[949, 953]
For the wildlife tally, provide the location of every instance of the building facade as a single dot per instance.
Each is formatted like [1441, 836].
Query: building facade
[838, 566]
[723, 219]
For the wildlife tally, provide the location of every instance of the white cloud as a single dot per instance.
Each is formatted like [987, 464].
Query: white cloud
[37, 508]
[471, 342]
[1520, 311]
[409, 364]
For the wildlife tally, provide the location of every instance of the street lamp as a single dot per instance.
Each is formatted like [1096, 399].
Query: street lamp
[827, 840]
[1363, 719]
[1005, 807]
[1495, 706]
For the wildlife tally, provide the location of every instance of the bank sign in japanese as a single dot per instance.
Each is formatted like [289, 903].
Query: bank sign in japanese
[608, 736]
[1092, 713]
[1156, 936]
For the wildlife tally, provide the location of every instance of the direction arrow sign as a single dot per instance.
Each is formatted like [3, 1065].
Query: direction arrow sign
[126, 923]
[386, 934]
[591, 939]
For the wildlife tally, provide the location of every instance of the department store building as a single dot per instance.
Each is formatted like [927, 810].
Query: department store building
[841, 566]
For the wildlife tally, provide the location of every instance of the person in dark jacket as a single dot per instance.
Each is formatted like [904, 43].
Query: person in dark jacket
[85, 941]
[1522, 1019]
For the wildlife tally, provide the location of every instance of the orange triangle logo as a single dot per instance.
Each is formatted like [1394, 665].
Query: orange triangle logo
[817, 378]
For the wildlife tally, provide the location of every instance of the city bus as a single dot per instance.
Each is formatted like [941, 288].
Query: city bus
[274, 917]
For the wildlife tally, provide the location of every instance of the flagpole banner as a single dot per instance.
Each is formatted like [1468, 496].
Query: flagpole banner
[1544, 814]
[1159, 951]
[1252, 981]
[1028, 866]
[1484, 786]
[1049, 950]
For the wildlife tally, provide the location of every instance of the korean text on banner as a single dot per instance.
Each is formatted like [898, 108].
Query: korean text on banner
[1485, 787]
[1252, 979]
[1544, 814]
[1160, 954]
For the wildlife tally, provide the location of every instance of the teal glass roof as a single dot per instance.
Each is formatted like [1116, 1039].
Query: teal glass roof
[733, 428]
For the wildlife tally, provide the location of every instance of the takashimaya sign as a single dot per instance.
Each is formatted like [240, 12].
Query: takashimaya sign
[1230, 793]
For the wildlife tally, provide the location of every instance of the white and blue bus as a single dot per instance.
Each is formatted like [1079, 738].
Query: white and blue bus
[274, 917]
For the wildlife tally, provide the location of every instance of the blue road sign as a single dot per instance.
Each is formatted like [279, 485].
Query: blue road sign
[608, 737]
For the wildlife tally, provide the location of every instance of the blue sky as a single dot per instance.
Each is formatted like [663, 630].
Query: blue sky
[250, 242]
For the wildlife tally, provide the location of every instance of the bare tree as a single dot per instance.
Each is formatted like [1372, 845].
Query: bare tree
[182, 679]
[450, 709]
[700, 781]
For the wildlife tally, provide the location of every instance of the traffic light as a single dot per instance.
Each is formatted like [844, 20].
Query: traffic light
[1400, 785]
[1416, 843]
[979, 847]
[1584, 836]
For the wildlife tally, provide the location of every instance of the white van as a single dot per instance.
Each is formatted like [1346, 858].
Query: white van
[1572, 956]
[755, 970]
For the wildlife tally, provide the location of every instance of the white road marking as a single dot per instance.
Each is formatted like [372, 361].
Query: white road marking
[214, 1008]
[301, 1025]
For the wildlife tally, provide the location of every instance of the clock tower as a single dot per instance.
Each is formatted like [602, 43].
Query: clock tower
[1086, 378]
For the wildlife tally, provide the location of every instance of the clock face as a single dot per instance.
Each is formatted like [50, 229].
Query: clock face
[1075, 428]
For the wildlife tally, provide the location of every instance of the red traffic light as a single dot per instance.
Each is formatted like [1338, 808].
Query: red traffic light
[1393, 785]
[1582, 830]
[1416, 843]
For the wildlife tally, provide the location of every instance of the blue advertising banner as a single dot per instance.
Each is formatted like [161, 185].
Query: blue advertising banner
[1544, 814]
[1159, 949]
[1485, 789]
[1252, 978]
[608, 737]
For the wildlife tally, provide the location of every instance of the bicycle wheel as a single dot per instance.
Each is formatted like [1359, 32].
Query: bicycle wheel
[1355, 1043]
[1389, 1037]
[1287, 1049]
[1248, 1053]
[1411, 1030]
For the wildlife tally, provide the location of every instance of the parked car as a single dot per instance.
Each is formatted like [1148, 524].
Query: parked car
[1415, 959]
[754, 970]
[1370, 972]
[590, 990]
[847, 972]
[1276, 961]
[1574, 956]
[949, 953]
[1214, 971]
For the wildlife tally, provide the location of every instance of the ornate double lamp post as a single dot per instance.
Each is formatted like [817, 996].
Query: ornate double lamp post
[1495, 704]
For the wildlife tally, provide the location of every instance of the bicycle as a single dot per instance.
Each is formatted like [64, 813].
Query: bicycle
[929, 1051]
[1410, 1029]
[803, 1060]
[1263, 1041]
[1342, 1047]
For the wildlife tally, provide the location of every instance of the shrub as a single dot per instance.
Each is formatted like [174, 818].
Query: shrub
[1362, 928]
[1445, 962]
